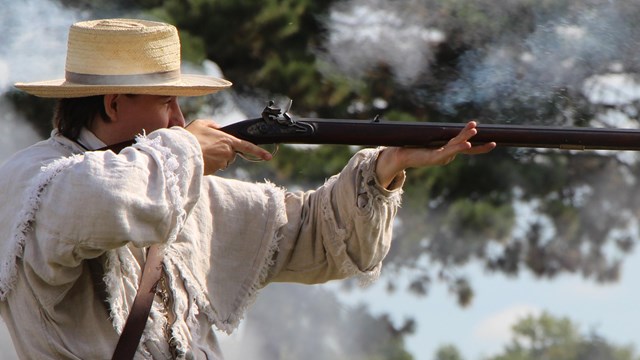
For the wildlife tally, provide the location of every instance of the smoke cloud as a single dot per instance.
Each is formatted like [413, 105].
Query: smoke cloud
[560, 55]
[34, 40]
[570, 48]
[32, 48]
[366, 33]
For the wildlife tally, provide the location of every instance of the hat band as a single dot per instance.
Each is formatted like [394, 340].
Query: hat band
[136, 79]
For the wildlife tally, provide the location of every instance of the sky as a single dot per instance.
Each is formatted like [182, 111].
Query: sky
[483, 328]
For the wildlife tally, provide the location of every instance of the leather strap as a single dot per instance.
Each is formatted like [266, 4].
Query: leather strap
[116, 148]
[137, 320]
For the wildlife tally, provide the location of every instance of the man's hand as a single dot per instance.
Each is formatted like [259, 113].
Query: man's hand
[219, 149]
[394, 160]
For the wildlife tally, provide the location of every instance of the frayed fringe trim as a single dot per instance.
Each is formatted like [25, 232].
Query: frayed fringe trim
[190, 303]
[119, 259]
[276, 197]
[119, 267]
[365, 279]
[172, 172]
[33, 198]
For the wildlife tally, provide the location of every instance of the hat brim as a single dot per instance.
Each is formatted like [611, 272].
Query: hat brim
[188, 85]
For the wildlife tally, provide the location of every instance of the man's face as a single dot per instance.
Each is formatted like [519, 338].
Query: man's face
[149, 112]
[131, 115]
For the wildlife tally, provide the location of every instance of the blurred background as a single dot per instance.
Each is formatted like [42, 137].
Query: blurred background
[519, 254]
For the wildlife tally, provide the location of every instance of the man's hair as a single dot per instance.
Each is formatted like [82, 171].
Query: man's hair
[72, 114]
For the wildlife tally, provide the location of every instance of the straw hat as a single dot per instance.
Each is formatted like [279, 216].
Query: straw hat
[123, 56]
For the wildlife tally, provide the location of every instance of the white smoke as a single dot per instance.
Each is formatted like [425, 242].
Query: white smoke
[32, 48]
[559, 53]
[366, 33]
[34, 40]
[612, 89]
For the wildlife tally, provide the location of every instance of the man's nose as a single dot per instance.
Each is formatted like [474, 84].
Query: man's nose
[176, 119]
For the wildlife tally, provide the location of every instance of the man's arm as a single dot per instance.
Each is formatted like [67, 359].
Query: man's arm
[106, 200]
[341, 229]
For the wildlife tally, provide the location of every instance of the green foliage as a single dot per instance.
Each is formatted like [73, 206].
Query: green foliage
[553, 338]
[479, 219]
[549, 337]
[310, 166]
[261, 44]
[447, 352]
[113, 7]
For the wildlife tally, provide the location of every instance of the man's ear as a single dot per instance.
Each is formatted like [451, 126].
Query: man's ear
[111, 106]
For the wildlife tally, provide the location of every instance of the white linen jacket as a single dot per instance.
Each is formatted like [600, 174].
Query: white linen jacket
[222, 241]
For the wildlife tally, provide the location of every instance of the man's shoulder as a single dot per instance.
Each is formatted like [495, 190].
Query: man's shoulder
[32, 158]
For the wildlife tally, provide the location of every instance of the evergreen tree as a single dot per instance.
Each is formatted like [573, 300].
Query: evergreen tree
[550, 337]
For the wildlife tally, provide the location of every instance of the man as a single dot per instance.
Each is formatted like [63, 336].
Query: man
[76, 221]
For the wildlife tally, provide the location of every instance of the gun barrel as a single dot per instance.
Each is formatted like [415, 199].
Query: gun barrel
[428, 134]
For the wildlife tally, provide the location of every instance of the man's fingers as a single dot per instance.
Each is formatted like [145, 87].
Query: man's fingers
[465, 134]
[242, 146]
[452, 149]
[212, 124]
[481, 149]
[248, 148]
